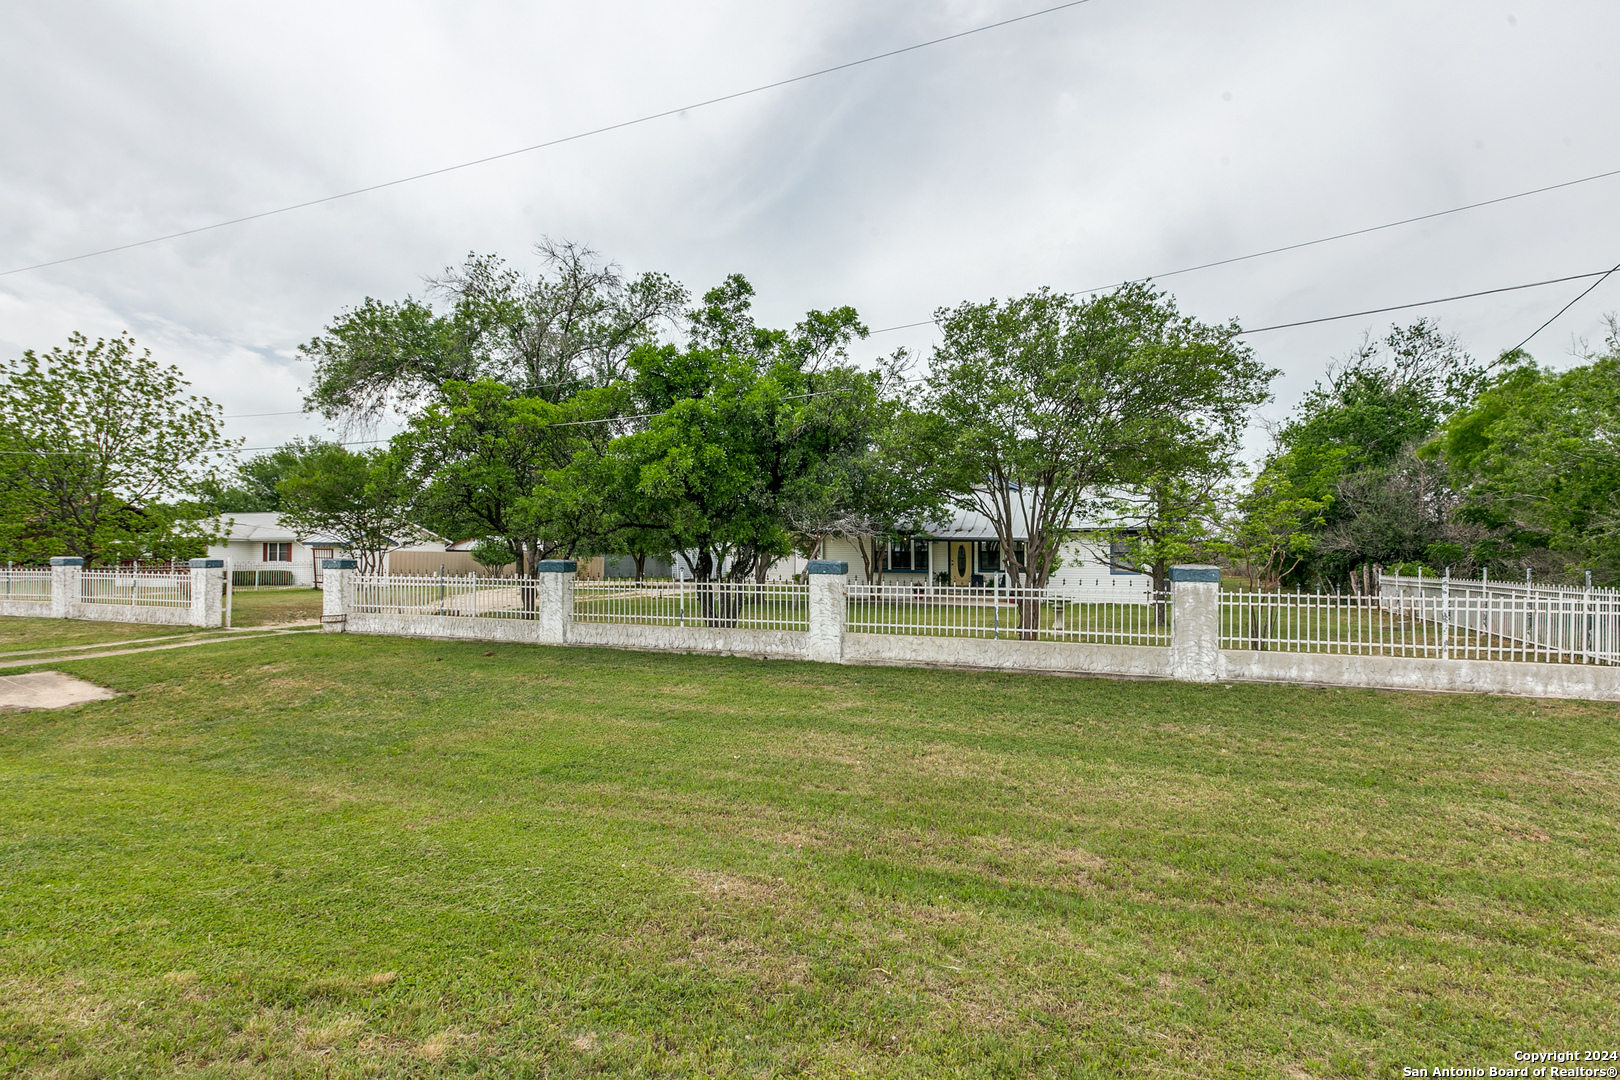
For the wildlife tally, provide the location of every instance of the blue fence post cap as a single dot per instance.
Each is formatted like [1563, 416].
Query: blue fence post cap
[556, 566]
[66, 560]
[1196, 572]
[339, 564]
[827, 566]
[206, 564]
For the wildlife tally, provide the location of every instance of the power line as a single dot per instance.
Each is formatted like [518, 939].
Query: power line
[565, 423]
[1324, 240]
[556, 142]
[1363, 232]
[1440, 300]
[1565, 308]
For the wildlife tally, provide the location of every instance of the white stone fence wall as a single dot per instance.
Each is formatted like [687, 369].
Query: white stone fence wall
[68, 591]
[1197, 633]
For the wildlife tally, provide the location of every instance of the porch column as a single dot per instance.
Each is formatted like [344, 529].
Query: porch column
[827, 581]
[207, 588]
[337, 593]
[554, 606]
[1195, 623]
[67, 585]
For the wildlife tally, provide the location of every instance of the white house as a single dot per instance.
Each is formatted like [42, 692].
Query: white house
[965, 551]
[260, 542]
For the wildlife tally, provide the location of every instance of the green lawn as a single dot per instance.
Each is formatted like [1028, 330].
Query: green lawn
[263, 607]
[334, 855]
[21, 634]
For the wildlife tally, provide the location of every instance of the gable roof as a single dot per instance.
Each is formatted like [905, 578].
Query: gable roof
[266, 527]
[972, 525]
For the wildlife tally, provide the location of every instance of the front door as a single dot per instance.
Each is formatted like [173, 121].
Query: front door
[961, 563]
[317, 554]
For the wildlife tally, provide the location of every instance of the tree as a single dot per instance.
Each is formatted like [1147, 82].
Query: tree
[253, 486]
[1049, 401]
[739, 427]
[885, 486]
[1539, 458]
[1267, 532]
[1353, 436]
[106, 449]
[548, 335]
[489, 463]
[1166, 516]
[358, 500]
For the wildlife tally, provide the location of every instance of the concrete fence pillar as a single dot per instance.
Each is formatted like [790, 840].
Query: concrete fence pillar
[1195, 623]
[554, 604]
[207, 592]
[67, 586]
[337, 593]
[827, 579]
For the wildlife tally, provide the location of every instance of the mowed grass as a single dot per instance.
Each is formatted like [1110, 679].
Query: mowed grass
[264, 607]
[337, 855]
[20, 635]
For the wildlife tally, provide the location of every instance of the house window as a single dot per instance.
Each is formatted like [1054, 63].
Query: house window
[909, 555]
[990, 555]
[278, 553]
[1119, 559]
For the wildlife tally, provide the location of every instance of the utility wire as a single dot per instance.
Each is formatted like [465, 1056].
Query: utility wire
[1324, 240]
[1363, 232]
[559, 141]
[1599, 274]
[1565, 308]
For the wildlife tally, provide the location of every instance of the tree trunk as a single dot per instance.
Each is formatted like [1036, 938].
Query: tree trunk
[641, 566]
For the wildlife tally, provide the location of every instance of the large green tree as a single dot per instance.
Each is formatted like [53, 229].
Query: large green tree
[253, 485]
[738, 429]
[570, 325]
[106, 451]
[1538, 458]
[1350, 449]
[490, 464]
[1049, 402]
[359, 500]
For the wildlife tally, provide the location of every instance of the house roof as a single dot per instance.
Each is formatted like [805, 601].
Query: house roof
[972, 525]
[266, 527]
[257, 527]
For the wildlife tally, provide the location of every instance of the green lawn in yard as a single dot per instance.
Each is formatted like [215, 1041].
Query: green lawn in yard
[19, 634]
[263, 607]
[337, 855]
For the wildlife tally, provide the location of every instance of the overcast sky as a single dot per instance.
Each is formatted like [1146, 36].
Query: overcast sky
[1110, 140]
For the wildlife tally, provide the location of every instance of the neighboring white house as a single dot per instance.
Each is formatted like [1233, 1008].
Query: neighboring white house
[259, 541]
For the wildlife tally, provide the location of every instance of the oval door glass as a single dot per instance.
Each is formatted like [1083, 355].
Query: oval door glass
[961, 560]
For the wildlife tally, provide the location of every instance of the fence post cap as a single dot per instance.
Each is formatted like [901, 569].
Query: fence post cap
[556, 566]
[827, 566]
[1195, 572]
[66, 560]
[206, 564]
[339, 564]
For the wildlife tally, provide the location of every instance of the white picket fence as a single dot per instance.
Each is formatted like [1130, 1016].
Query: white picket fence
[26, 585]
[1555, 623]
[135, 588]
[456, 597]
[1014, 614]
[1434, 619]
[745, 605]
